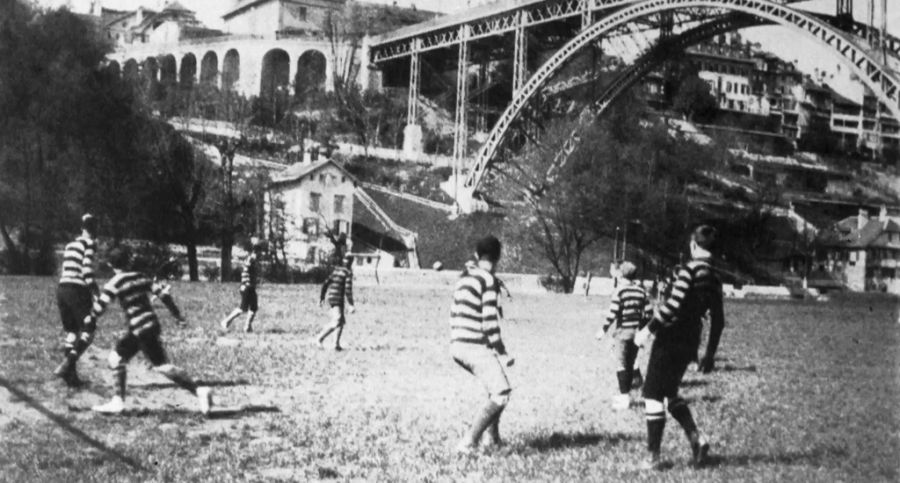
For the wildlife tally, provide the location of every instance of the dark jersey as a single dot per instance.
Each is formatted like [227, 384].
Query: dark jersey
[695, 291]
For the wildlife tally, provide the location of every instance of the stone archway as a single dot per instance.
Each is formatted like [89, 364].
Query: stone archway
[231, 70]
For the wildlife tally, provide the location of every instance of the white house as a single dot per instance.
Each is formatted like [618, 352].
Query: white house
[309, 204]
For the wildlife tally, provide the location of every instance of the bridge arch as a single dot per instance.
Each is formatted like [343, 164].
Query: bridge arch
[113, 68]
[168, 69]
[276, 72]
[311, 73]
[131, 70]
[231, 70]
[209, 69]
[869, 70]
[187, 74]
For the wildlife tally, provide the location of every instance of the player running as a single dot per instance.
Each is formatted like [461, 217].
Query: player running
[629, 310]
[337, 287]
[677, 325]
[249, 299]
[74, 297]
[133, 290]
[476, 344]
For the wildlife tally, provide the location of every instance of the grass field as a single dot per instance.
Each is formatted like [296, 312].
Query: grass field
[803, 391]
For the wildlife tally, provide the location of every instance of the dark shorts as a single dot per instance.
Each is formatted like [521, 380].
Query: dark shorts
[248, 299]
[665, 370]
[147, 342]
[74, 305]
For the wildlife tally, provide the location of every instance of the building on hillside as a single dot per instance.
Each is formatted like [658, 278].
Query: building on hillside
[309, 205]
[864, 252]
[865, 127]
[280, 18]
[172, 24]
[755, 88]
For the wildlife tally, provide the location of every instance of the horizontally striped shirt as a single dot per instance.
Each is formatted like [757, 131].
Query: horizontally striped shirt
[338, 285]
[695, 291]
[78, 262]
[474, 315]
[250, 272]
[629, 308]
[133, 290]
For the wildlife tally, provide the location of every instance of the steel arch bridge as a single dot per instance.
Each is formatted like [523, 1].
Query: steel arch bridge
[874, 74]
[601, 19]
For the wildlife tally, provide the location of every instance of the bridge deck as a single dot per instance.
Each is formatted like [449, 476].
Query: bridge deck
[453, 20]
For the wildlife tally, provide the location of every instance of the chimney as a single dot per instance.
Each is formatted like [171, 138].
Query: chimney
[882, 214]
[139, 16]
[862, 218]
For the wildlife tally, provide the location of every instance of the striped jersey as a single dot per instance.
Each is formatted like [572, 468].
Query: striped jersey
[78, 262]
[338, 285]
[695, 291]
[629, 308]
[474, 315]
[250, 272]
[133, 290]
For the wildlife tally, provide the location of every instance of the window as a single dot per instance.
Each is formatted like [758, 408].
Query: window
[311, 226]
[311, 255]
[314, 199]
[341, 226]
[322, 178]
[338, 204]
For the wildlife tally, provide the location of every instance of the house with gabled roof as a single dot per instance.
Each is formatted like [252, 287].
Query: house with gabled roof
[864, 251]
[310, 204]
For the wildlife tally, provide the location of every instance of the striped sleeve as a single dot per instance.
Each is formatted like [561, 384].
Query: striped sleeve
[348, 287]
[107, 295]
[665, 317]
[613, 311]
[647, 313]
[87, 262]
[490, 313]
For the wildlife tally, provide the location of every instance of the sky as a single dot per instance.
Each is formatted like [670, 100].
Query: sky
[807, 53]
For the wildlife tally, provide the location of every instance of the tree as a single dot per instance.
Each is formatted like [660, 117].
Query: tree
[629, 170]
[180, 176]
[54, 101]
[693, 98]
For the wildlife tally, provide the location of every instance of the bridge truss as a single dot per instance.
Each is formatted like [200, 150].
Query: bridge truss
[591, 21]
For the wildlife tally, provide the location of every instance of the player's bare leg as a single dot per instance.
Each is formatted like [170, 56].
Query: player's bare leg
[226, 322]
[180, 377]
[482, 421]
[248, 325]
[337, 337]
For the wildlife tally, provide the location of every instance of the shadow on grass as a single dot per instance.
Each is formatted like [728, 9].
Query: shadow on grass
[814, 457]
[69, 427]
[170, 385]
[734, 368]
[234, 413]
[694, 383]
[167, 413]
[576, 440]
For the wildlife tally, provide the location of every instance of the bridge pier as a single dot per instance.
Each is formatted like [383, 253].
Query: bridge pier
[412, 133]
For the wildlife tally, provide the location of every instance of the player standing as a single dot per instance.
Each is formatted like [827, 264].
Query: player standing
[476, 344]
[249, 299]
[337, 287]
[629, 311]
[74, 297]
[133, 290]
[677, 325]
